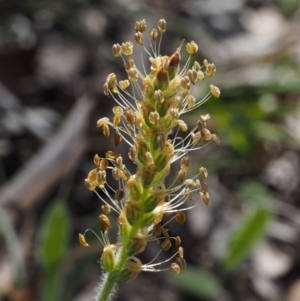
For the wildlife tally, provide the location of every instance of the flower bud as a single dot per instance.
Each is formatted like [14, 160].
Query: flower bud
[148, 158]
[173, 65]
[134, 187]
[162, 80]
[108, 258]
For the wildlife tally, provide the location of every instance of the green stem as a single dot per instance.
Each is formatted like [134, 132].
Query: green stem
[107, 288]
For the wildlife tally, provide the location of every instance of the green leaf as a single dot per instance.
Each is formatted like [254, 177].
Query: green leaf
[197, 282]
[54, 238]
[54, 235]
[255, 192]
[246, 237]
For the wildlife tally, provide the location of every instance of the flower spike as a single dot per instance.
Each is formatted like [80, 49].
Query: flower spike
[149, 108]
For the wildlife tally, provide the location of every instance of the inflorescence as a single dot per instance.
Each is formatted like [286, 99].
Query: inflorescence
[149, 108]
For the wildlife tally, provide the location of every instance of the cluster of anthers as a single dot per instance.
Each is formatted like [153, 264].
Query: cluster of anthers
[149, 109]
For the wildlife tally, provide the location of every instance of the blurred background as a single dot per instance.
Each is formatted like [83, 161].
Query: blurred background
[54, 58]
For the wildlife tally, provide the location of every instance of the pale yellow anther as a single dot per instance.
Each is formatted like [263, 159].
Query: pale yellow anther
[139, 38]
[103, 164]
[83, 241]
[192, 48]
[106, 89]
[174, 268]
[203, 172]
[200, 75]
[191, 100]
[133, 75]
[205, 197]
[97, 160]
[192, 75]
[215, 91]
[111, 155]
[127, 48]
[182, 125]
[188, 194]
[102, 121]
[180, 217]
[159, 96]
[104, 222]
[130, 117]
[197, 138]
[206, 134]
[111, 80]
[105, 130]
[106, 209]
[117, 138]
[101, 178]
[210, 69]
[124, 84]
[205, 117]
[153, 34]
[154, 118]
[128, 64]
[116, 174]
[162, 25]
[117, 50]
[216, 139]
[196, 66]
[141, 25]
[189, 182]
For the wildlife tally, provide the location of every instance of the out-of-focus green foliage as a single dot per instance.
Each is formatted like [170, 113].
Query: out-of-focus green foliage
[242, 121]
[197, 282]
[54, 239]
[242, 241]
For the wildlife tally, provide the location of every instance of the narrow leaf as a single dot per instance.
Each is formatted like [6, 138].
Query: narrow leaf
[246, 237]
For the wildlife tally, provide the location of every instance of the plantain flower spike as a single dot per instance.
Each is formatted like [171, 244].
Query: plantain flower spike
[150, 105]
